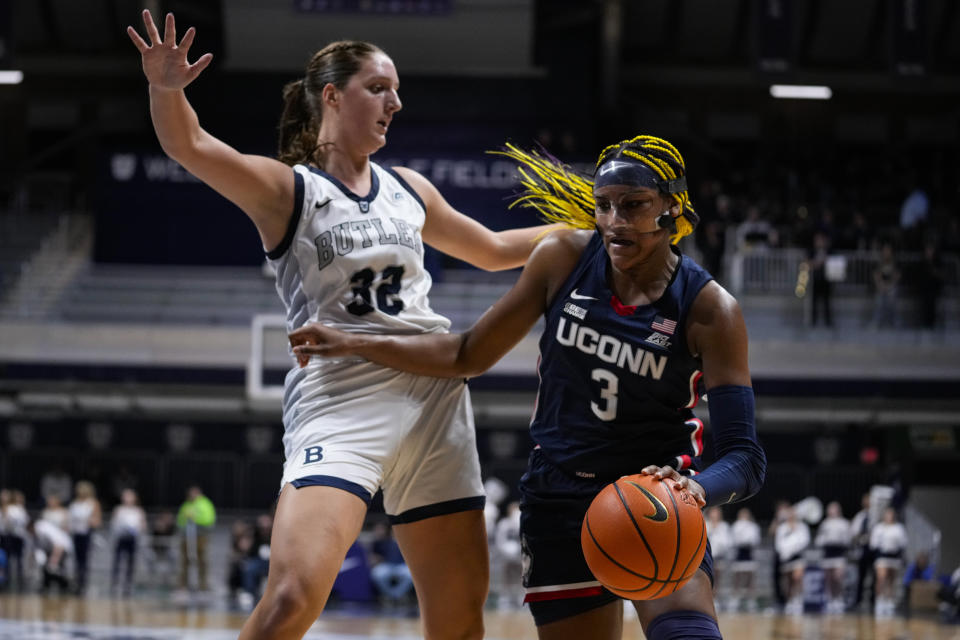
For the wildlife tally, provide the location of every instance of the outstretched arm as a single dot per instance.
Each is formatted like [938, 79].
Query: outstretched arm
[262, 187]
[458, 355]
[462, 237]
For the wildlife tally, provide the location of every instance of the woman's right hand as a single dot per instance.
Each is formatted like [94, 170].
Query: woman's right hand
[164, 61]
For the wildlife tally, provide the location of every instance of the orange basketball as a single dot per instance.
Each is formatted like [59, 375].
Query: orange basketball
[643, 538]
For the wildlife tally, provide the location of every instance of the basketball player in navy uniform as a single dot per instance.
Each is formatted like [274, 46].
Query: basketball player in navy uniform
[346, 238]
[635, 332]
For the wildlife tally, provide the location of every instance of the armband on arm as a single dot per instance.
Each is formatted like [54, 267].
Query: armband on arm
[741, 464]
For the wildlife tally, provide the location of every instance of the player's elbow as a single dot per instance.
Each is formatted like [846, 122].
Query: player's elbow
[756, 469]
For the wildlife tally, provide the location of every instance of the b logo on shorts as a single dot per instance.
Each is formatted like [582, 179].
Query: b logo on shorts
[312, 454]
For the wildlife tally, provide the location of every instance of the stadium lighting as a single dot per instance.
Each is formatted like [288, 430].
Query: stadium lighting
[801, 91]
[11, 77]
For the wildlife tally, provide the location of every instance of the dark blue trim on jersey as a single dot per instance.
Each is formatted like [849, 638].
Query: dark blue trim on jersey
[370, 197]
[294, 222]
[337, 483]
[439, 509]
[406, 185]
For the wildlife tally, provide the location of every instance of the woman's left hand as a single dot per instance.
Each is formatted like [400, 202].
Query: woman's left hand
[315, 339]
[684, 482]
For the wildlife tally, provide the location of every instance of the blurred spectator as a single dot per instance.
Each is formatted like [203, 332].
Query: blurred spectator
[929, 281]
[53, 548]
[834, 537]
[195, 519]
[920, 570]
[780, 512]
[85, 516]
[820, 285]
[241, 542]
[55, 513]
[888, 539]
[755, 233]
[127, 525]
[721, 543]
[508, 555]
[14, 523]
[56, 482]
[257, 563]
[163, 530]
[860, 529]
[886, 277]
[791, 541]
[389, 570]
[949, 596]
[745, 536]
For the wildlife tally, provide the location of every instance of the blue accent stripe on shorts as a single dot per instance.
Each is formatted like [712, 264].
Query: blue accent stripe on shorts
[332, 481]
[439, 509]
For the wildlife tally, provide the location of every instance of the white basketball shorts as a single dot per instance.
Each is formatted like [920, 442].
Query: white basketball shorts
[359, 426]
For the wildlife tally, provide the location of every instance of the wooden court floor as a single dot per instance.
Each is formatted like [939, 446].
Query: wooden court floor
[34, 617]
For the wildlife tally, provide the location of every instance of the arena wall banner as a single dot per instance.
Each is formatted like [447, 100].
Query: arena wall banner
[150, 210]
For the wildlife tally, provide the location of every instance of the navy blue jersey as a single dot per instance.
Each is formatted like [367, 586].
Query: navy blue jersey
[618, 383]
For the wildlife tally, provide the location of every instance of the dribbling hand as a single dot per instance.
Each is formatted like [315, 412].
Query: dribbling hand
[315, 339]
[164, 61]
[684, 482]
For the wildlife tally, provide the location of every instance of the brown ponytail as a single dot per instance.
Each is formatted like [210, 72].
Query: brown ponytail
[299, 125]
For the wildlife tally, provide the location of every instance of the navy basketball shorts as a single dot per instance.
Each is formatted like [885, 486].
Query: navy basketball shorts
[556, 578]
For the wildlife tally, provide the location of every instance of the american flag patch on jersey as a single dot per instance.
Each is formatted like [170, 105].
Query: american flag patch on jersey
[663, 325]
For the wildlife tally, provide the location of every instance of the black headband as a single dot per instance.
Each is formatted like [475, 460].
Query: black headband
[627, 171]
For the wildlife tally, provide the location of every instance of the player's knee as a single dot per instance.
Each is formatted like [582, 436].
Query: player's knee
[290, 599]
[686, 625]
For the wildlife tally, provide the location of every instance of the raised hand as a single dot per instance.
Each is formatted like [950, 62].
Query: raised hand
[164, 61]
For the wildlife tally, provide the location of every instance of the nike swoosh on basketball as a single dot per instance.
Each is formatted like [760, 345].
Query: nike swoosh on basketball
[321, 205]
[577, 296]
[660, 514]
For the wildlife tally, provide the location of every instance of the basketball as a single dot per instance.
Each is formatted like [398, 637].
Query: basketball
[643, 538]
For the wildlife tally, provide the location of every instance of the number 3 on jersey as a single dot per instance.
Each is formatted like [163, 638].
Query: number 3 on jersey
[388, 300]
[609, 385]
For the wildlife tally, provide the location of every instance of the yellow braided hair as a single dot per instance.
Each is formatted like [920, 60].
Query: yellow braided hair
[554, 189]
[561, 195]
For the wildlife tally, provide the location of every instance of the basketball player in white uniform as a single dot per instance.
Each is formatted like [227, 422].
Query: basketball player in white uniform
[746, 538]
[888, 540]
[346, 237]
[834, 537]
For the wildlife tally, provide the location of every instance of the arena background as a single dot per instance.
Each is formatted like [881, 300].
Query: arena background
[128, 289]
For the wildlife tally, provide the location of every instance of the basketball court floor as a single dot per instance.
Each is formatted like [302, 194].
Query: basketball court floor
[34, 617]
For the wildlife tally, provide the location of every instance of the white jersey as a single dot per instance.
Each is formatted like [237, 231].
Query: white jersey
[15, 521]
[59, 516]
[80, 513]
[834, 532]
[353, 263]
[47, 535]
[127, 521]
[888, 538]
[791, 540]
[720, 540]
[745, 533]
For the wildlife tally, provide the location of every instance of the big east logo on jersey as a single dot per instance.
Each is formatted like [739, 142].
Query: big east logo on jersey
[610, 349]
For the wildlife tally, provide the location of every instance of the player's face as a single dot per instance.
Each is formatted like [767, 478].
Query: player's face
[626, 218]
[368, 103]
